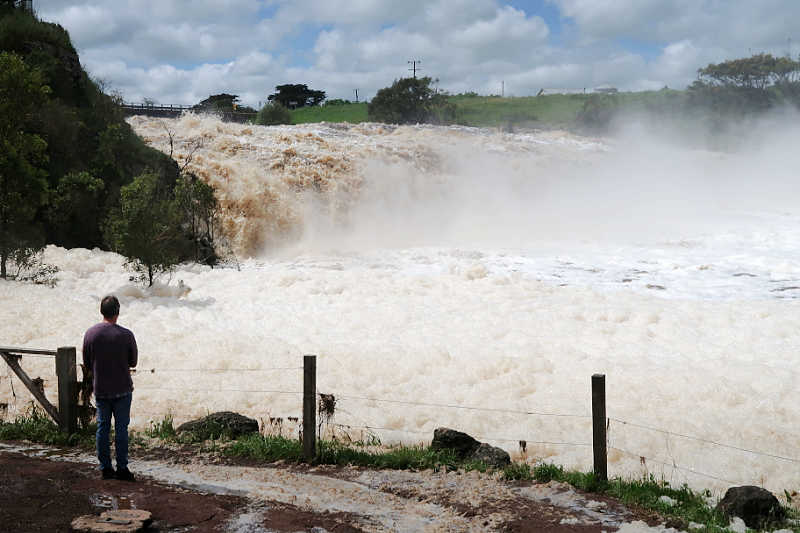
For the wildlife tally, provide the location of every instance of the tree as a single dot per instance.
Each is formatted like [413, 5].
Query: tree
[755, 72]
[73, 209]
[273, 113]
[219, 103]
[411, 101]
[296, 95]
[146, 227]
[738, 87]
[23, 157]
[199, 210]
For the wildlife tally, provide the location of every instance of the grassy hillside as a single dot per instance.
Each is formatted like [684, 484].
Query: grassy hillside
[545, 110]
[557, 110]
[479, 111]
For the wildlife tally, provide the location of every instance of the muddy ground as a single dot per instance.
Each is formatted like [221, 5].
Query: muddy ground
[43, 490]
[42, 495]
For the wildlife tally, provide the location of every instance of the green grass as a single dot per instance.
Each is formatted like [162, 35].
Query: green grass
[274, 448]
[36, 426]
[558, 110]
[481, 111]
[691, 506]
[163, 429]
[546, 111]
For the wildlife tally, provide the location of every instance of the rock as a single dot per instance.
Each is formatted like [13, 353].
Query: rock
[125, 520]
[756, 506]
[450, 439]
[467, 448]
[223, 423]
[668, 501]
[491, 455]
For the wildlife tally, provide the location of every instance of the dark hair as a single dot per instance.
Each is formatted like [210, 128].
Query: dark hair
[109, 307]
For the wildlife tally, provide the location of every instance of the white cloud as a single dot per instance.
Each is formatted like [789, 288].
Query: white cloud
[177, 51]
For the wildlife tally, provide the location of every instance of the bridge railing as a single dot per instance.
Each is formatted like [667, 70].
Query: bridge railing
[145, 107]
[177, 110]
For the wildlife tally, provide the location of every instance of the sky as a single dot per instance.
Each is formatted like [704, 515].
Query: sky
[180, 51]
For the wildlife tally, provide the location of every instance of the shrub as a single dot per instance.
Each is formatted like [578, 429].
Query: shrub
[146, 227]
[272, 114]
[411, 101]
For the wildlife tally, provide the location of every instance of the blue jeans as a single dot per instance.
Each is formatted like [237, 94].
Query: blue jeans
[121, 409]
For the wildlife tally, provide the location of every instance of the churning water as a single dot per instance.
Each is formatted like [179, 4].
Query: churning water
[433, 267]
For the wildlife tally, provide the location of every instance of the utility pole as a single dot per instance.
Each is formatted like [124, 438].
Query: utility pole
[503, 89]
[414, 67]
[356, 91]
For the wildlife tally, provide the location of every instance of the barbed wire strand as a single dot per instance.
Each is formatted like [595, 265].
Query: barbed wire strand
[707, 441]
[453, 406]
[497, 439]
[145, 371]
[673, 465]
[216, 390]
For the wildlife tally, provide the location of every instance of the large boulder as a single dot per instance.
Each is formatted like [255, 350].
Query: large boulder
[491, 455]
[756, 506]
[450, 439]
[469, 449]
[220, 424]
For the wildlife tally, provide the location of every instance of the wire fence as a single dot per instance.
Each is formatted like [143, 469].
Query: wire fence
[611, 422]
[361, 425]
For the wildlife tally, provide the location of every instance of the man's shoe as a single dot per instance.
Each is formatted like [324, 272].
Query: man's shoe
[109, 473]
[125, 475]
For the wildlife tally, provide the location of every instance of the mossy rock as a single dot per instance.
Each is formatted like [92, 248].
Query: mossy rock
[221, 424]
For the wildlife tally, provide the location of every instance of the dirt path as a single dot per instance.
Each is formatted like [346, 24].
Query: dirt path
[47, 488]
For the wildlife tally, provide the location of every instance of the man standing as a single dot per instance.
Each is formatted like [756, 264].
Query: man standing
[109, 351]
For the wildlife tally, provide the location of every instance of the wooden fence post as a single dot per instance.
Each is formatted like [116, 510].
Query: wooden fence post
[67, 389]
[599, 426]
[309, 407]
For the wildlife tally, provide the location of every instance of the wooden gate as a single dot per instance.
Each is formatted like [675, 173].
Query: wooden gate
[66, 415]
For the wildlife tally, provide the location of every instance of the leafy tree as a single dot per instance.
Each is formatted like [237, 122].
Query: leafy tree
[146, 227]
[218, 103]
[273, 113]
[755, 72]
[73, 208]
[296, 95]
[198, 207]
[23, 156]
[411, 101]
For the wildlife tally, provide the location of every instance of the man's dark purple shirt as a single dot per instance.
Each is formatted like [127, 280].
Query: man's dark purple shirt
[109, 351]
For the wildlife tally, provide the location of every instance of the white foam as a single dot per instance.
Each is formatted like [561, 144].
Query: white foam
[690, 326]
